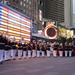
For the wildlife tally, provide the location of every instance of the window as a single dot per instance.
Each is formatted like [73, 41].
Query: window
[30, 13]
[20, 3]
[27, 12]
[5, 2]
[17, 7]
[27, 1]
[13, 6]
[24, 5]
[24, 0]
[24, 10]
[27, 6]
[1, 1]
[13, 0]
[20, 9]
[8, 4]
[17, 1]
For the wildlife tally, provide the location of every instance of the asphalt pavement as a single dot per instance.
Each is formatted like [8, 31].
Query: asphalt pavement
[39, 66]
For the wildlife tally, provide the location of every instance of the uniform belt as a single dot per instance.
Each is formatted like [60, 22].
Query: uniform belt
[13, 45]
[6, 45]
[2, 43]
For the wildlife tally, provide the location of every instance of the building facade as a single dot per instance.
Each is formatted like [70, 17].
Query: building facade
[58, 10]
[27, 7]
[74, 19]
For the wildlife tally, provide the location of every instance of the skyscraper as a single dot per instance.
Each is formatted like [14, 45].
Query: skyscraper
[58, 10]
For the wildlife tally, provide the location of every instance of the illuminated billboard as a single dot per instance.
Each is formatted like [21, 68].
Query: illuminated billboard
[65, 32]
[50, 30]
[14, 23]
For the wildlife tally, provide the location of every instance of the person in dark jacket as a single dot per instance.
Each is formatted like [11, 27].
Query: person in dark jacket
[73, 53]
[48, 49]
[25, 48]
[34, 49]
[10, 44]
[55, 48]
[2, 44]
[20, 49]
[60, 48]
[43, 48]
[30, 45]
[70, 49]
[66, 47]
[7, 48]
[38, 49]
[13, 48]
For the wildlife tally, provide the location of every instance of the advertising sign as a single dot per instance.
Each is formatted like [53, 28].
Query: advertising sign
[13, 23]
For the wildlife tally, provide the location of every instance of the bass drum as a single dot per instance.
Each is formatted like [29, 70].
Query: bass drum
[51, 32]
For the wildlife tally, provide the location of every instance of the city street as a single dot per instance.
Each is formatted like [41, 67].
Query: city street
[39, 66]
[30, 28]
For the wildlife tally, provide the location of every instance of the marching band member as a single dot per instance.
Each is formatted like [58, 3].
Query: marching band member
[48, 49]
[60, 49]
[9, 51]
[20, 49]
[38, 49]
[22, 40]
[13, 48]
[34, 49]
[55, 47]
[66, 49]
[74, 49]
[10, 44]
[7, 47]
[43, 49]
[2, 44]
[25, 48]
[29, 49]
[70, 49]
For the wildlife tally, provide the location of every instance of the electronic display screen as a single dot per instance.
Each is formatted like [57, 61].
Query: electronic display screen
[14, 24]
